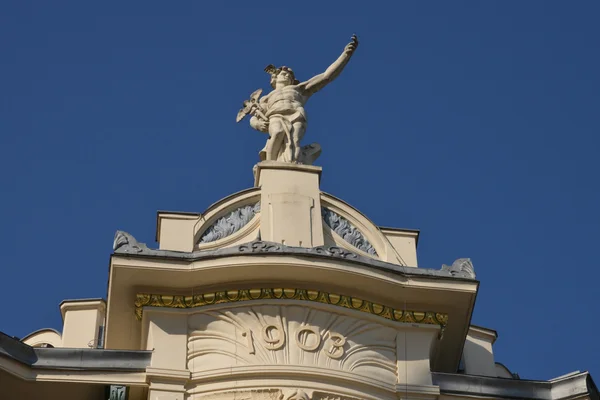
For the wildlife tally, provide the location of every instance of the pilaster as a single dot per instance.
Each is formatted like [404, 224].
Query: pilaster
[413, 348]
[167, 337]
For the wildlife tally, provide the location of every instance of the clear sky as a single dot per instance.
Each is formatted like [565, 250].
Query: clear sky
[475, 122]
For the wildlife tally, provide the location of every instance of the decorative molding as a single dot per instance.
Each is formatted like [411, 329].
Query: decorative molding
[334, 251]
[126, 244]
[462, 267]
[329, 396]
[258, 394]
[259, 247]
[230, 223]
[347, 231]
[270, 247]
[317, 296]
[273, 394]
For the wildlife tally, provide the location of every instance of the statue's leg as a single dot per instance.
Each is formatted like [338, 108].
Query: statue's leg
[275, 142]
[298, 129]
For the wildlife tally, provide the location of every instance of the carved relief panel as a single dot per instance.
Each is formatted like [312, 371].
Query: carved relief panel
[274, 394]
[290, 335]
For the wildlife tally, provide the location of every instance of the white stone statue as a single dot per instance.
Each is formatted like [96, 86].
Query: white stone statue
[281, 112]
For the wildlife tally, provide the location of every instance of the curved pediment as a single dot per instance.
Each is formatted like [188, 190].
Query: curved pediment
[285, 207]
[347, 227]
[43, 338]
[230, 221]
[236, 220]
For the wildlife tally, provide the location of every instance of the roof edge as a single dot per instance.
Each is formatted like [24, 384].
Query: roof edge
[74, 359]
[482, 386]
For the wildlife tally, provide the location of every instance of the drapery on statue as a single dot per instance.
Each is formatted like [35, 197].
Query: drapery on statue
[281, 112]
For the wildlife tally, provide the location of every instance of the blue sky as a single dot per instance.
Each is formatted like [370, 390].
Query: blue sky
[476, 122]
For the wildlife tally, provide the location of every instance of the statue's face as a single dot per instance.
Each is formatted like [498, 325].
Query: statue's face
[284, 78]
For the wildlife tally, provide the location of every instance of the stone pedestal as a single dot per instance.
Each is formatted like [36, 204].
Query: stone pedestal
[290, 203]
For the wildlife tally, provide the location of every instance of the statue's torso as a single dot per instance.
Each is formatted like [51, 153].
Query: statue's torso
[285, 101]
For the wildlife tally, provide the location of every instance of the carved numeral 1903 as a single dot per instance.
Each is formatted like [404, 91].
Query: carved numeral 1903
[308, 338]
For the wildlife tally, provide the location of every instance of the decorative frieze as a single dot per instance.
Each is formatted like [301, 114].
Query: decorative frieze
[318, 296]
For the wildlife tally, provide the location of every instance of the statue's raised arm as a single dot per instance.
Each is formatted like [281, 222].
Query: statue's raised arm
[318, 82]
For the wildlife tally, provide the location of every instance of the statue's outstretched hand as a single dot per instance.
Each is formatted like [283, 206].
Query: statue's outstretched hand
[350, 47]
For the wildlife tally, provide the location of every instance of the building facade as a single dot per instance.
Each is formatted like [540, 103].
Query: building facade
[280, 291]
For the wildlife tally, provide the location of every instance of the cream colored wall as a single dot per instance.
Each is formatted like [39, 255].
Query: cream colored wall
[167, 337]
[478, 354]
[176, 231]
[405, 243]
[81, 322]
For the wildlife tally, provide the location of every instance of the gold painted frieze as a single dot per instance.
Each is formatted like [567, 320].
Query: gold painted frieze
[317, 296]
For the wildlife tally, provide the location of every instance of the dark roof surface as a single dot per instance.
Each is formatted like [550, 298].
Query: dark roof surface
[74, 359]
[566, 387]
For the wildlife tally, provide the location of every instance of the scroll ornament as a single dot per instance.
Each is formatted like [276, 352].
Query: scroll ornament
[230, 223]
[347, 231]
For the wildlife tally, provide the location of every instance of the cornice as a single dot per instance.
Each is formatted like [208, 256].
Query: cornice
[126, 245]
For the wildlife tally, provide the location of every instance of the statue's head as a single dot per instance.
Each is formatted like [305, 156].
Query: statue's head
[282, 76]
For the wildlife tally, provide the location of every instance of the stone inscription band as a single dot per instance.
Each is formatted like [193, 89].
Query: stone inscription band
[233, 296]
